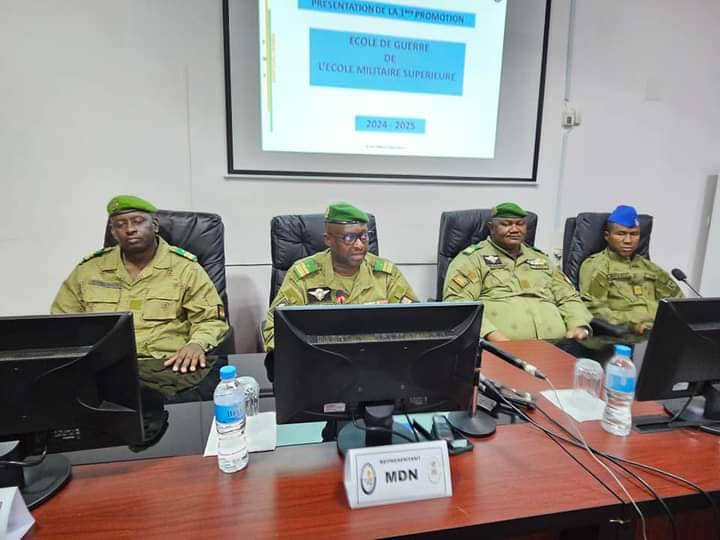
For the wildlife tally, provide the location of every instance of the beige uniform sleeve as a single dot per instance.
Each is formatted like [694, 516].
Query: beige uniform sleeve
[291, 293]
[569, 302]
[463, 283]
[665, 286]
[69, 297]
[399, 290]
[205, 311]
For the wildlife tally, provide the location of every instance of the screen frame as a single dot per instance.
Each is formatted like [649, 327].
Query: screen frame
[233, 171]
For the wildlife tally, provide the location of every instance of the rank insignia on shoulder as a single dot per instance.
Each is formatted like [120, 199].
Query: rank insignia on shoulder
[183, 253]
[381, 265]
[305, 267]
[318, 294]
[493, 261]
[95, 254]
[471, 249]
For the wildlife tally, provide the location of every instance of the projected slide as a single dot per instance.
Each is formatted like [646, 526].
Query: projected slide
[405, 78]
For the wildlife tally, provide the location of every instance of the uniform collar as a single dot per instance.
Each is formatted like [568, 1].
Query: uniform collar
[114, 262]
[618, 258]
[329, 271]
[162, 255]
[523, 250]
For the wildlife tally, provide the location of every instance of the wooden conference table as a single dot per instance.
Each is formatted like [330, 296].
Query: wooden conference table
[516, 483]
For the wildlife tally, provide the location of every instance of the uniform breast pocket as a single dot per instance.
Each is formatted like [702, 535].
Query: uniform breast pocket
[162, 304]
[500, 278]
[538, 278]
[101, 299]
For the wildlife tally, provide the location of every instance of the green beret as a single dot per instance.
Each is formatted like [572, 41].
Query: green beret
[342, 212]
[128, 203]
[508, 209]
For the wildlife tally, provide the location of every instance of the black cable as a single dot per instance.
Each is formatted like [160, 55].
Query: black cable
[553, 436]
[682, 410]
[656, 470]
[617, 461]
[412, 426]
[27, 463]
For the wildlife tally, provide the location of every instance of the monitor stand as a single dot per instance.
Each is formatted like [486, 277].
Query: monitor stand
[373, 430]
[37, 483]
[473, 423]
[702, 411]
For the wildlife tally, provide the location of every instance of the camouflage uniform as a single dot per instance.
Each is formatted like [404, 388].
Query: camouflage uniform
[173, 302]
[524, 298]
[312, 280]
[624, 290]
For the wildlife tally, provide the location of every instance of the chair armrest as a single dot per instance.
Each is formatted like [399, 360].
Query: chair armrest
[603, 328]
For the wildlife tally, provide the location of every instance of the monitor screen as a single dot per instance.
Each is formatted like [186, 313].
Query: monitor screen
[681, 360]
[338, 361]
[67, 382]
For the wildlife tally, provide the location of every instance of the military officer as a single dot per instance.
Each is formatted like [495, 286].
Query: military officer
[620, 286]
[177, 312]
[525, 296]
[345, 273]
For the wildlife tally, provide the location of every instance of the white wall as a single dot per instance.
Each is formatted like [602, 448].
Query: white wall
[100, 98]
[645, 75]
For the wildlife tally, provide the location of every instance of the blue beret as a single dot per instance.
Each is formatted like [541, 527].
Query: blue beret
[626, 216]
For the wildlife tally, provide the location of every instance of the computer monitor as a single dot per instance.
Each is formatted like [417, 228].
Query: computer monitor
[680, 363]
[365, 362]
[67, 382]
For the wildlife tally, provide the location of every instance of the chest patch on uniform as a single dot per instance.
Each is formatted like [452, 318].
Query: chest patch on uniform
[538, 264]
[106, 284]
[493, 261]
[318, 294]
[637, 290]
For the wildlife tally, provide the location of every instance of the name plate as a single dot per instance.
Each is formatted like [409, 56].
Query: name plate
[397, 473]
[15, 518]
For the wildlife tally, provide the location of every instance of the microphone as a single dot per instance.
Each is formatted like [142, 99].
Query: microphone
[680, 276]
[513, 360]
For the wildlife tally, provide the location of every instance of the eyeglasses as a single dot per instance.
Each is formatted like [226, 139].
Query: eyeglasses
[350, 238]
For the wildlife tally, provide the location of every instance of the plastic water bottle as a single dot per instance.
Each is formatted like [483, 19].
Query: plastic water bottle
[229, 400]
[620, 387]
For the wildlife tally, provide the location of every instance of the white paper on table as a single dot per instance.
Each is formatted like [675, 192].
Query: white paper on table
[260, 430]
[577, 403]
[15, 518]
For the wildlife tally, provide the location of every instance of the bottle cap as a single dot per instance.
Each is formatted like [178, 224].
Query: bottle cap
[228, 372]
[623, 350]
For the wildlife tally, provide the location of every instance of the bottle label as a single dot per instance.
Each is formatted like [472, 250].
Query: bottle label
[620, 383]
[227, 414]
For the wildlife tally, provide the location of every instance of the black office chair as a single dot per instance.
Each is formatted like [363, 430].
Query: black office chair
[583, 237]
[461, 228]
[203, 235]
[293, 237]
